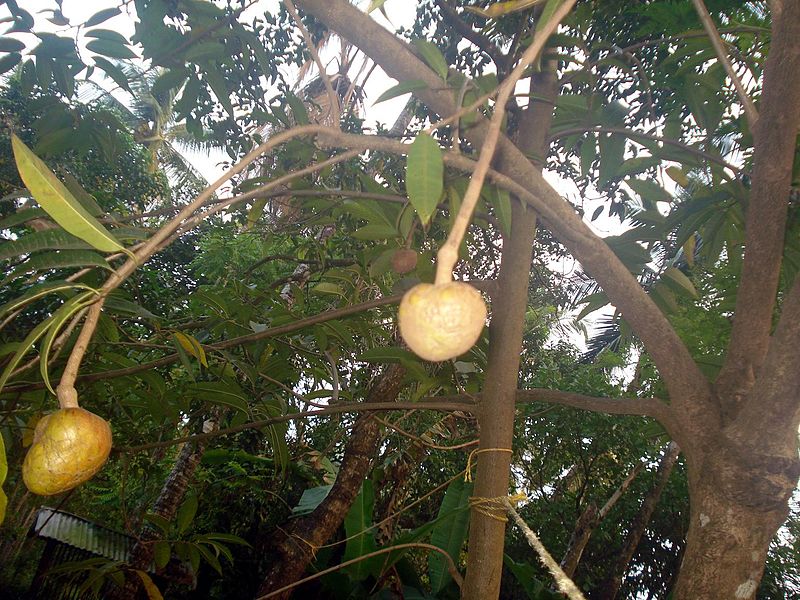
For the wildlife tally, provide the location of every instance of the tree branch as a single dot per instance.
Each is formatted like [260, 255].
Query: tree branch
[481, 41]
[442, 405]
[719, 47]
[685, 382]
[765, 226]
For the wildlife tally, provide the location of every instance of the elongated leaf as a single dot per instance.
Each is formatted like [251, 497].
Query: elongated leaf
[49, 239]
[356, 523]
[152, 590]
[103, 15]
[113, 71]
[387, 354]
[22, 216]
[60, 204]
[9, 61]
[59, 318]
[680, 282]
[36, 333]
[501, 202]
[110, 48]
[209, 558]
[40, 291]
[107, 34]
[186, 513]
[217, 392]
[449, 535]
[81, 195]
[424, 176]
[404, 87]
[433, 56]
[192, 346]
[62, 259]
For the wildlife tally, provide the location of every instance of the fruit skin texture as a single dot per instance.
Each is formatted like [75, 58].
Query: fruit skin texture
[440, 322]
[404, 261]
[69, 447]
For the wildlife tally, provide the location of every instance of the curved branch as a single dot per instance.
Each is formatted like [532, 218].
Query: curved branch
[688, 387]
[468, 33]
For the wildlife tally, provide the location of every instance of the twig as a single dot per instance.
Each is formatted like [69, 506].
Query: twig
[332, 95]
[565, 584]
[719, 47]
[449, 560]
[448, 253]
[445, 406]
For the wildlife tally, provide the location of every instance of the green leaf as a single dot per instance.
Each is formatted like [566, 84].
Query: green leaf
[57, 200]
[161, 553]
[110, 49]
[151, 588]
[387, 354]
[220, 89]
[11, 45]
[449, 535]
[218, 392]
[116, 74]
[36, 333]
[424, 176]
[107, 34]
[404, 87]
[186, 513]
[432, 56]
[61, 259]
[649, 191]
[158, 521]
[40, 291]
[680, 282]
[209, 558]
[49, 239]
[361, 539]
[612, 153]
[226, 537]
[501, 202]
[9, 61]
[310, 500]
[375, 231]
[375, 4]
[22, 216]
[59, 319]
[103, 15]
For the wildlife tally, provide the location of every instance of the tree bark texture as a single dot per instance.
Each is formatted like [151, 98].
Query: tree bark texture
[166, 506]
[294, 546]
[610, 587]
[496, 410]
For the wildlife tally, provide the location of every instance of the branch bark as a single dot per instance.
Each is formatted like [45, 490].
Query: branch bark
[295, 546]
[610, 587]
[774, 149]
[686, 384]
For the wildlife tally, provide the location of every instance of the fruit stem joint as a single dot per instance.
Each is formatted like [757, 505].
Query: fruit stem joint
[67, 396]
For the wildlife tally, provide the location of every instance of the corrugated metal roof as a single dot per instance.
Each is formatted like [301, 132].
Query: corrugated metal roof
[81, 533]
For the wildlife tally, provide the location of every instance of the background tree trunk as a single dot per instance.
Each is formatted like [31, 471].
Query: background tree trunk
[166, 506]
[293, 549]
[610, 587]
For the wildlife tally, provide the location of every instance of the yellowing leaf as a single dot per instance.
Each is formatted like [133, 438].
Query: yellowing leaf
[688, 250]
[152, 590]
[54, 197]
[498, 9]
[192, 346]
[678, 176]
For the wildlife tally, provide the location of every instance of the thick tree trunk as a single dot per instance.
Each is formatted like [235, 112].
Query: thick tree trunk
[166, 506]
[294, 546]
[738, 502]
[610, 587]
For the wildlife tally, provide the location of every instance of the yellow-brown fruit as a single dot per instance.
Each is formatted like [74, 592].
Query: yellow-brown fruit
[439, 322]
[69, 447]
[404, 261]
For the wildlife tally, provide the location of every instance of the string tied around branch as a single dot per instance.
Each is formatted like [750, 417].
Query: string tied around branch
[496, 508]
[474, 453]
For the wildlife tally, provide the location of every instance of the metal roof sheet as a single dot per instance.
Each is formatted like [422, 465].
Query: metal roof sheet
[81, 533]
